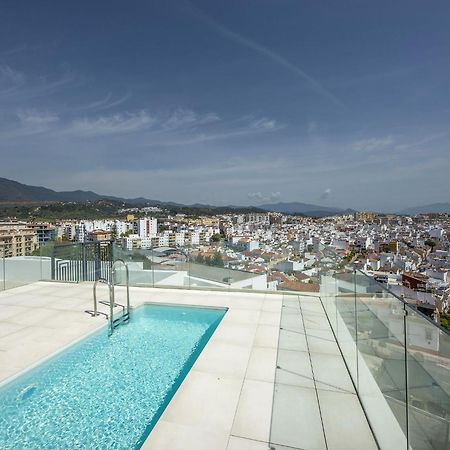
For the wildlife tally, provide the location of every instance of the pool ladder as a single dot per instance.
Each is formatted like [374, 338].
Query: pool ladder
[124, 317]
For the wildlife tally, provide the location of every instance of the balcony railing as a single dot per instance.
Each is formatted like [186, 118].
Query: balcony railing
[180, 267]
[398, 358]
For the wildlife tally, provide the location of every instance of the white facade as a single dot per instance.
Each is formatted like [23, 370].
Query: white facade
[147, 227]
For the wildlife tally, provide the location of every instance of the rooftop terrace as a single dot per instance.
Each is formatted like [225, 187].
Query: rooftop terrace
[234, 397]
[352, 366]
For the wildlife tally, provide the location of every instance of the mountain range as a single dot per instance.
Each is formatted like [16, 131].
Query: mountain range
[13, 191]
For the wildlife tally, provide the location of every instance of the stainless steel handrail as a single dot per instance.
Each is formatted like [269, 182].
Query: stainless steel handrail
[112, 294]
[99, 280]
[127, 280]
[112, 301]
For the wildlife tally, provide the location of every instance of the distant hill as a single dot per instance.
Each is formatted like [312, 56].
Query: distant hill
[433, 208]
[15, 192]
[305, 208]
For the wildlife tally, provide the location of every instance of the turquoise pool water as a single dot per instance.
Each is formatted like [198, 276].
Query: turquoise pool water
[106, 393]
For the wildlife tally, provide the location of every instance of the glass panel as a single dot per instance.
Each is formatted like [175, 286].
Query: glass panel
[19, 270]
[170, 267]
[345, 328]
[381, 361]
[428, 358]
[45, 253]
[140, 264]
[329, 274]
[2, 272]
[208, 267]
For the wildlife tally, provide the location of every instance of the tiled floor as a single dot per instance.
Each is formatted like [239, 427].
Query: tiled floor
[315, 404]
[226, 400]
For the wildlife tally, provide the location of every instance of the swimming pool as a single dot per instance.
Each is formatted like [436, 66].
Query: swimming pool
[106, 392]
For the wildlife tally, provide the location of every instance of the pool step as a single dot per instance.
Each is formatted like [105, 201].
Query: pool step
[125, 317]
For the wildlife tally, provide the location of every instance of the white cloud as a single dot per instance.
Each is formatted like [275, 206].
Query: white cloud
[325, 194]
[264, 124]
[131, 122]
[35, 117]
[373, 144]
[113, 124]
[106, 102]
[259, 197]
[185, 117]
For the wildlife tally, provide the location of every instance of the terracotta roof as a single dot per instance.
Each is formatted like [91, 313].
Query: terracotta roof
[298, 286]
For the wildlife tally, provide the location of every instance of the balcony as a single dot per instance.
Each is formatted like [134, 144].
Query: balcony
[350, 367]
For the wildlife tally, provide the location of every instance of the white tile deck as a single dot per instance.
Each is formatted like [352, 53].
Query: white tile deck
[226, 400]
[315, 404]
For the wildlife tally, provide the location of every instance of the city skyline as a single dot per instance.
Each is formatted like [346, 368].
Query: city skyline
[236, 103]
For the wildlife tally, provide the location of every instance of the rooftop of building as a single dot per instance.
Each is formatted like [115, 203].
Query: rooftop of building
[263, 379]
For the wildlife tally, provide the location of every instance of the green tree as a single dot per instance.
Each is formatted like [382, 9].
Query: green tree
[216, 237]
[445, 320]
[430, 243]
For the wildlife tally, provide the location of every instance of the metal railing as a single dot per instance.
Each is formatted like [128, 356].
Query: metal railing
[111, 303]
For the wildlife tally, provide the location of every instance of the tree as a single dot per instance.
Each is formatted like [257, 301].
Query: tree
[216, 237]
[430, 243]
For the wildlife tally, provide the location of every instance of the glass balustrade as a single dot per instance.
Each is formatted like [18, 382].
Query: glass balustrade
[398, 358]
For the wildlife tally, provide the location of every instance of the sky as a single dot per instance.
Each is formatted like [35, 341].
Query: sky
[243, 102]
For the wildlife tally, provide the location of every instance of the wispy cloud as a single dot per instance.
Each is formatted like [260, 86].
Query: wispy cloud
[266, 52]
[265, 124]
[35, 117]
[120, 123]
[185, 117]
[11, 77]
[373, 144]
[325, 194]
[397, 144]
[227, 131]
[423, 141]
[18, 49]
[16, 87]
[260, 198]
[138, 121]
[107, 102]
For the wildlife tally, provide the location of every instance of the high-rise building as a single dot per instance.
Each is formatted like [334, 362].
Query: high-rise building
[146, 227]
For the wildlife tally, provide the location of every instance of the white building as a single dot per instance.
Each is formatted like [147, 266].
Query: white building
[146, 227]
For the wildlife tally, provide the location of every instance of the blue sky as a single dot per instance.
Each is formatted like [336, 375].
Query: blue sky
[245, 102]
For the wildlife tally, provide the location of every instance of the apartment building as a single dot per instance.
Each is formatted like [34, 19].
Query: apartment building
[147, 227]
[17, 239]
